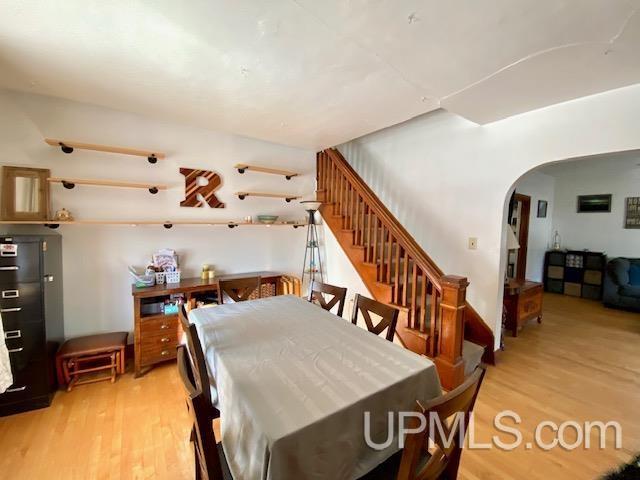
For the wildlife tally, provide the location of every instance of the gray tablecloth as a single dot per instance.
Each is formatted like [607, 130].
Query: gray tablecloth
[293, 383]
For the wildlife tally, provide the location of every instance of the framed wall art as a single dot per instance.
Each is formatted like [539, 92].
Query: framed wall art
[632, 213]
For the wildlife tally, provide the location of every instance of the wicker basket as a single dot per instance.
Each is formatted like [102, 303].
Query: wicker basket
[172, 277]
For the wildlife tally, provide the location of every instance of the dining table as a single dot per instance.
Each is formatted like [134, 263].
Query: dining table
[293, 382]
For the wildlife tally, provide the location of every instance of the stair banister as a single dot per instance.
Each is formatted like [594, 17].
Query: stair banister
[343, 187]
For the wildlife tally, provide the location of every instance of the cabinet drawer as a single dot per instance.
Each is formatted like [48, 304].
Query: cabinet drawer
[159, 325]
[21, 303]
[152, 342]
[25, 345]
[24, 266]
[28, 383]
[156, 348]
[155, 354]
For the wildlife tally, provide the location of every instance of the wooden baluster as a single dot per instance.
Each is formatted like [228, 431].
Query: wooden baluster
[363, 219]
[369, 234]
[359, 217]
[352, 209]
[325, 168]
[318, 170]
[424, 316]
[405, 278]
[345, 219]
[414, 296]
[433, 321]
[345, 206]
[336, 177]
[383, 267]
[389, 258]
[451, 335]
[396, 281]
[374, 258]
[337, 208]
[333, 184]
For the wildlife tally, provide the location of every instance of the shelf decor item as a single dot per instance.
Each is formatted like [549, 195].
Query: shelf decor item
[267, 219]
[63, 215]
[312, 265]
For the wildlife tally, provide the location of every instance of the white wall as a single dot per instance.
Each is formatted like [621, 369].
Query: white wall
[602, 232]
[96, 283]
[446, 179]
[538, 186]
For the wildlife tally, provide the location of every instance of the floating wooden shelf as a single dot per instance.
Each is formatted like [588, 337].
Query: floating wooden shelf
[287, 197]
[72, 182]
[68, 146]
[165, 223]
[242, 167]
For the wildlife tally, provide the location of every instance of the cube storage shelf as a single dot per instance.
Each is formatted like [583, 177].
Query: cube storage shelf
[575, 273]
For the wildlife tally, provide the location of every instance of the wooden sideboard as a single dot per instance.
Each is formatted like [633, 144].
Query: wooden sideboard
[156, 335]
[522, 302]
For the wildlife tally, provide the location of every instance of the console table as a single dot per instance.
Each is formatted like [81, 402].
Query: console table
[156, 335]
[522, 302]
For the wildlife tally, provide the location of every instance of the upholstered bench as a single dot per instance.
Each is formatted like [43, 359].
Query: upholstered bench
[92, 353]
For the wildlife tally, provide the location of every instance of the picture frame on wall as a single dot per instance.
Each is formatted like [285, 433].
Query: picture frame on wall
[632, 212]
[542, 208]
[594, 203]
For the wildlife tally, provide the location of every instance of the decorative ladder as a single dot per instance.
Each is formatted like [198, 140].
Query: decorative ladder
[433, 306]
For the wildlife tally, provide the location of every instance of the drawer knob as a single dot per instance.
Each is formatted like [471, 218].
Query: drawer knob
[165, 339]
[164, 353]
[164, 326]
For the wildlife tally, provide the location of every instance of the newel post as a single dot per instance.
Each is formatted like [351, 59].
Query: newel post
[449, 359]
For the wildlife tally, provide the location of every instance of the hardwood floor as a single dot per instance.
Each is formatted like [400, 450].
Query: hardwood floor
[582, 363]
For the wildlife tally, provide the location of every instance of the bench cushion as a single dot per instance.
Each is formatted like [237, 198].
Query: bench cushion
[92, 344]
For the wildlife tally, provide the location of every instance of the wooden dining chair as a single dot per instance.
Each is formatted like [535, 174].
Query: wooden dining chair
[210, 462]
[318, 291]
[239, 289]
[198, 361]
[426, 454]
[367, 306]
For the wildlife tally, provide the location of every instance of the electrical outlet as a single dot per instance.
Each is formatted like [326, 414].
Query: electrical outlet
[473, 243]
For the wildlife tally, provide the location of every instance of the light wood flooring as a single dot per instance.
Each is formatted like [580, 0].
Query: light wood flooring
[582, 363]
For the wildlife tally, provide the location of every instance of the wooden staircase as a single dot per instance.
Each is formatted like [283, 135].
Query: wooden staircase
[435, 318]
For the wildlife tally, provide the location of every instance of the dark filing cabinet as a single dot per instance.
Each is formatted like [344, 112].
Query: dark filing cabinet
[32, 317]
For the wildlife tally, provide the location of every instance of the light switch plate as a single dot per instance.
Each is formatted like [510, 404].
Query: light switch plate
[473, 243]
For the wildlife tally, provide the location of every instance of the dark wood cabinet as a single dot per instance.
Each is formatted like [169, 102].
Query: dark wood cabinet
[156, 335]
[522, 302]
[32, 317]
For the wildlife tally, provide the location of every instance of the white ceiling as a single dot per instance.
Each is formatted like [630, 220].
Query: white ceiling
[316, 73]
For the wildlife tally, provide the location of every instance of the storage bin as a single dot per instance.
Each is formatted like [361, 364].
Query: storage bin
[594, 277]
[172, 277]
[555, 272]
[573, 289]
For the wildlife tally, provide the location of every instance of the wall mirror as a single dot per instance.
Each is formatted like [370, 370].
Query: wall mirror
[25, 193]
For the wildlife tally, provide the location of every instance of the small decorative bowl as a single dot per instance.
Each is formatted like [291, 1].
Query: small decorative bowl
[268, 219]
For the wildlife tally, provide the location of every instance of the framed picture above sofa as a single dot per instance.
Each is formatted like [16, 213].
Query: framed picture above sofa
[594, 203]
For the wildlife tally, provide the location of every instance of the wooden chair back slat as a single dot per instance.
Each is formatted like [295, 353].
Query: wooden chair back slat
[366, 306]
[207, 461]
[445, 448]
[317, 294]
[240, 289]
[197, 358]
